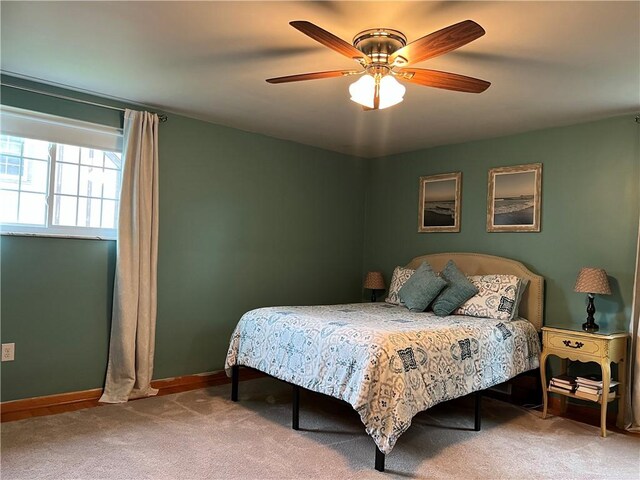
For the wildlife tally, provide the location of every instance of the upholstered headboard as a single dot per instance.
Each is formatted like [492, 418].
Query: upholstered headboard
[532, 303]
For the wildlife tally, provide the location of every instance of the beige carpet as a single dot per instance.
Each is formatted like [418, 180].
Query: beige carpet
[201, 434]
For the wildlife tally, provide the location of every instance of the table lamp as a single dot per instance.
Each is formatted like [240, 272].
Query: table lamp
[374, 281]
[592, 281]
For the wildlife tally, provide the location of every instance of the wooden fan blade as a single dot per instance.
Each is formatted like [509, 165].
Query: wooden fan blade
[438, 43]
[311, 76]
[446, 80]
[329, 40]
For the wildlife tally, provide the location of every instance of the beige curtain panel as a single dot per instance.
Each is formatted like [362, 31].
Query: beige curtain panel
[133, 323]
[633, 394]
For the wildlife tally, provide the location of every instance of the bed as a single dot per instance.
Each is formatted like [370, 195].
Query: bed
[387, 362]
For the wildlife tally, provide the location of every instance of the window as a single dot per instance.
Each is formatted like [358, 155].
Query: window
[67, 187]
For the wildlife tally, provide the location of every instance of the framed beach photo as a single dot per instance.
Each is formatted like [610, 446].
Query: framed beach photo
[514, 198]
[439, 203]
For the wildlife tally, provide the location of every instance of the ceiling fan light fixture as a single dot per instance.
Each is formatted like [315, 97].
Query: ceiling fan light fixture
[363, 91]
[391, 92]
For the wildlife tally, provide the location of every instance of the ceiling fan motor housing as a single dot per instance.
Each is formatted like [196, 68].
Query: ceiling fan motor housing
[379, 43]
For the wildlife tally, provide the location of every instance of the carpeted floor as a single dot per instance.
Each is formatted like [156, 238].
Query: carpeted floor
[201, 434]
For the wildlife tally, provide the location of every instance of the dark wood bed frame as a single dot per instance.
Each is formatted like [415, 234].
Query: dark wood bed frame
[531, 308]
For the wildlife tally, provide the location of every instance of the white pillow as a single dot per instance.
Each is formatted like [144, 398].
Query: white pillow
[498, 297]
[399, 278]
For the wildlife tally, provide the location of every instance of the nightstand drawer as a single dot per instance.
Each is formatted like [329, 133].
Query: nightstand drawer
[576, 344]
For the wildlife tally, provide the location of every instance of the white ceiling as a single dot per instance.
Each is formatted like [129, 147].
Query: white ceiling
[550, 64]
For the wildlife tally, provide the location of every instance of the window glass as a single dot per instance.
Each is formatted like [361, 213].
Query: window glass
[33, 208]
[60, 189]
[35, 149]
[35, 176]
[68, 153]
[66, 180]
[58, 176]
[9, 210]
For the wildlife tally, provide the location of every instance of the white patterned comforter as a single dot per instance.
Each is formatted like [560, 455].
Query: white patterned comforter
[387, 362]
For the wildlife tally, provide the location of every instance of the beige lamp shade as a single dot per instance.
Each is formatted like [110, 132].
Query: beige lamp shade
[593, 280]
[374, 281]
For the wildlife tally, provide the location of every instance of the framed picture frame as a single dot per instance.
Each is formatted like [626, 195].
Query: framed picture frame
[439, 203]
[514, 198]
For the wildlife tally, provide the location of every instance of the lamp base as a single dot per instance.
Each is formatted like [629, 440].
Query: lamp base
[590, 325]
[373, 295]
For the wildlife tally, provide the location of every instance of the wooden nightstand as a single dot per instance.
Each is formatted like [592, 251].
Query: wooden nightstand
[602, 347]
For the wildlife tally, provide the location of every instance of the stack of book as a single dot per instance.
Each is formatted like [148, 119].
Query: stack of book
[590, 388]
[562, 384]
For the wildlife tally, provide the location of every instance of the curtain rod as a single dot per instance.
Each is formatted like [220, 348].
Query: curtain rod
[162, 117]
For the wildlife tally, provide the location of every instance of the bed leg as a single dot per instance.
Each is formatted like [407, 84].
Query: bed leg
[477, 423]
[379, 460]
[235, 377]
[295, 408]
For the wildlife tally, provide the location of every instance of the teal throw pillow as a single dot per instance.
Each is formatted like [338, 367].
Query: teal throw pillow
[459, 289]
[420, 290]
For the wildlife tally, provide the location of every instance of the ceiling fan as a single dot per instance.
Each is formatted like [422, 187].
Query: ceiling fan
[385, 55]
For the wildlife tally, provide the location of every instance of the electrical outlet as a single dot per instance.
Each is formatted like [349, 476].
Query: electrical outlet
[8, 352]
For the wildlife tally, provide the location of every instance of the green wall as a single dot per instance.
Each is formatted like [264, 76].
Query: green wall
[589, 210]
[245, 221]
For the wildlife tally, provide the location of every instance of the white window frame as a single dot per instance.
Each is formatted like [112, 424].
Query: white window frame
[27, 124]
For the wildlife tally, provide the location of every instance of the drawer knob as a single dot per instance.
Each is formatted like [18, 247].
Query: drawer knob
[577, 345]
